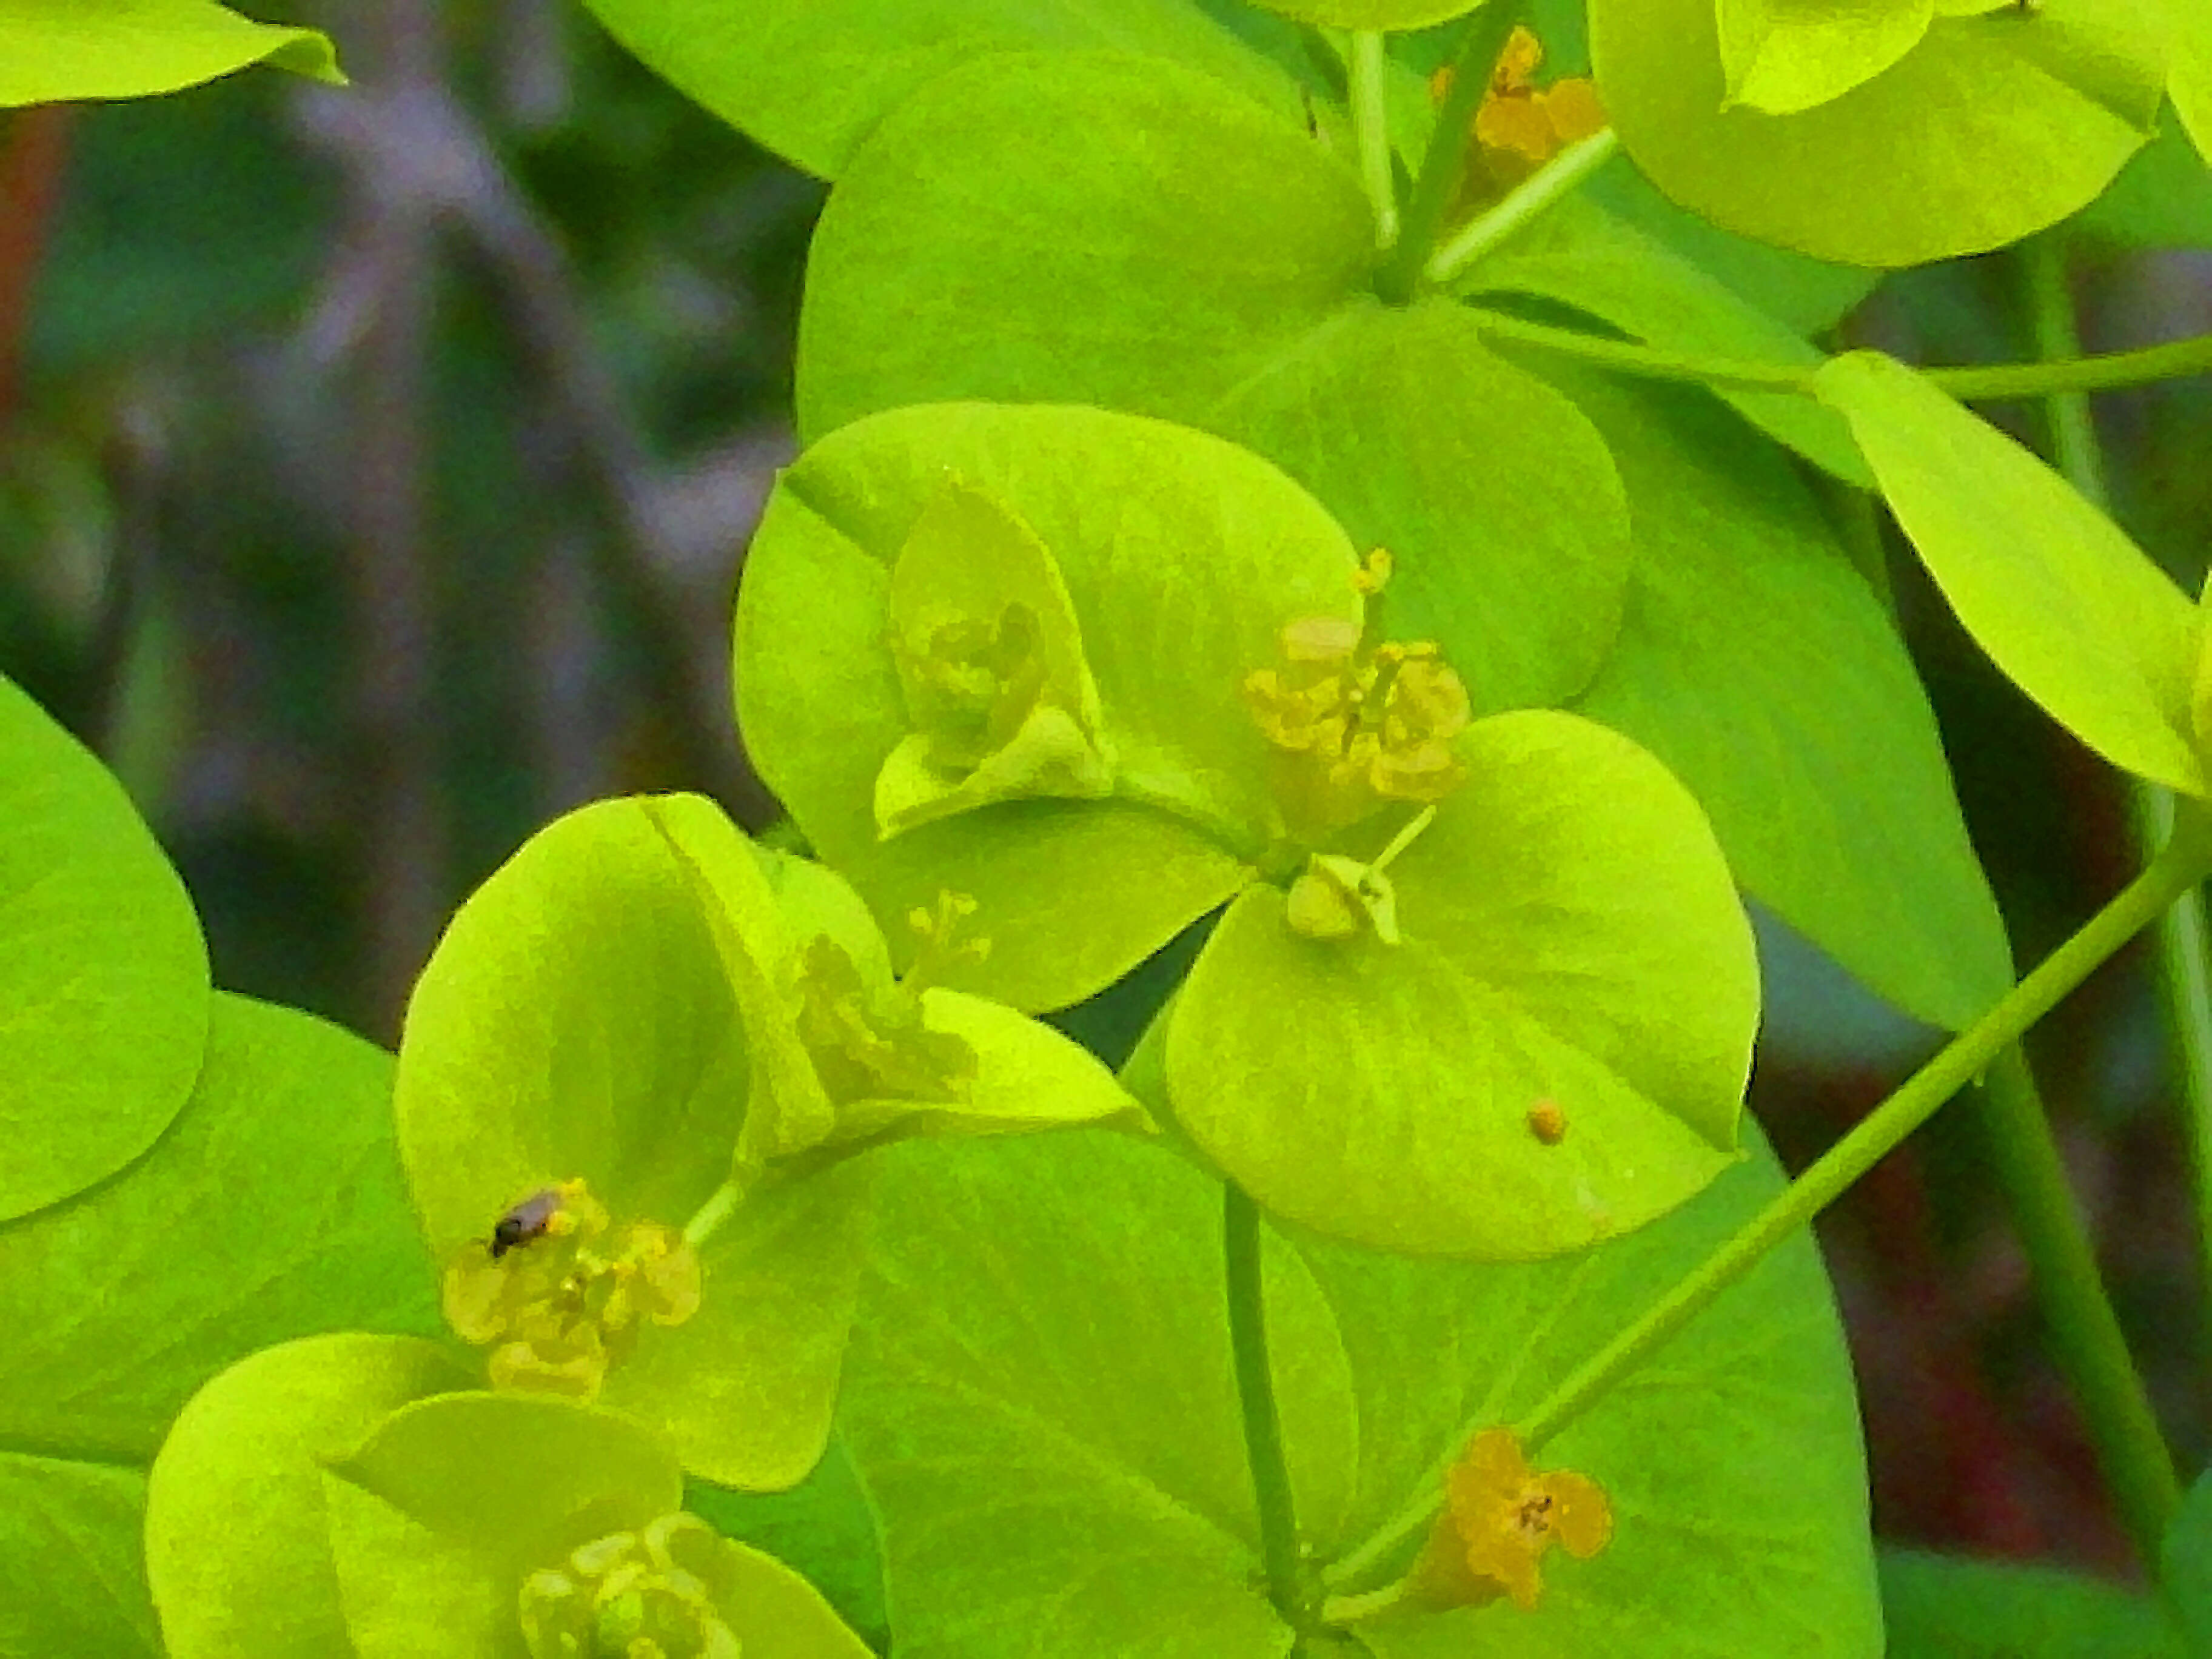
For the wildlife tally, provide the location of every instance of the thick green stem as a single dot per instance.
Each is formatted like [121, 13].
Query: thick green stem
[1370, 132]
[1443, 164]
[2085, 1332]
[2184, 975]
[2182, 864]
[1255, 1394]
[2008, 381]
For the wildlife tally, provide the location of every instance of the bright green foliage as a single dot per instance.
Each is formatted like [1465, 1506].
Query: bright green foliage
[2185, 1564]
[2162, 198]
[71, 1579]
[1183, 558]
[237, 1548]
[97, 937]
[1756, 664]
[1782, 56]
[52, 49]
[1583, 255]
[1083, 1492]
[2062, 601]
[1947, 1607]
[1568, 934]
[991, 240]
[811, 78]
[332, 1495]
[1897, 170]
[1396, 14]
[623, 1006]
[272, 1208]
[822, 1528]
[2188, 76]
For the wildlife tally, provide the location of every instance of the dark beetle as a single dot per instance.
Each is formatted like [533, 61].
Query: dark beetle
[528, 1220]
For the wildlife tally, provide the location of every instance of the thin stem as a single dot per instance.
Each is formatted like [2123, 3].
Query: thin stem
[1371, 131]
[2185, 980]
[2179, 865]
[1255, 1394]
[1443, 164]
[2085, 1332]
[2106, 371]
[1534, 197]
[1352, 1609]
[722, 1204]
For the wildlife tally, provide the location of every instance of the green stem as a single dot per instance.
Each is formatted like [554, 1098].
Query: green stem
[2085, 1332]
[2178, 866]
[1371, 131]
[720, 1205]
[1444, 164]
[2184, 980]
[1255, 1394]
[2106, 371]
[1535, 196]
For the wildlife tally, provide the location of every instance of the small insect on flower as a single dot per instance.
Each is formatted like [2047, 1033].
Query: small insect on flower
[530, 1220]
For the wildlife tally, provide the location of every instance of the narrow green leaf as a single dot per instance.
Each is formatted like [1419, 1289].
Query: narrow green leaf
[236, 1545]
[2064, 604]
[97, 937]
[1757, 665]
[1571, 943]
[1896, 171]
[129, 48]
[1397, 15]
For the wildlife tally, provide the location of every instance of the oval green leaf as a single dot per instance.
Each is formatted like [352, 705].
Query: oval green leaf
[811, 79]
[1045, 1316]
[1757, 665]
[1571, 939]
[992, 240]
[1183, 558]
[272, 1208]
[1394, 16]
[237, 1550]
[97, 938]
[131, 48]
[1897, 170]
[2066, 606]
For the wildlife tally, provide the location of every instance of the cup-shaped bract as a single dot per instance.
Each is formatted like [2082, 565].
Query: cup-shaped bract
[634, 1079]
[335, 1495]
[1546, 1047]
[1155, 566]
[1837, 143]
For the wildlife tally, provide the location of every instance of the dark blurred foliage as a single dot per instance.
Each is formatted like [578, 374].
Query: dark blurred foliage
[375, 467]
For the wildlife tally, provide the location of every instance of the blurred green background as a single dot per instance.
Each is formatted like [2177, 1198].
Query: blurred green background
[375, 469]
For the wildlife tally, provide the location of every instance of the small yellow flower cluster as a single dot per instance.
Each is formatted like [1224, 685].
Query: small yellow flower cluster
[1501, 1518]
[1521, 125]
[973, 685]
[873, 1046]
[563, 1293]
[656, 1594]
[1359, 724]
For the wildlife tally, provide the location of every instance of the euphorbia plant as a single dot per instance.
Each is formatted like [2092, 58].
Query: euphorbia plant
[1240, 578]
